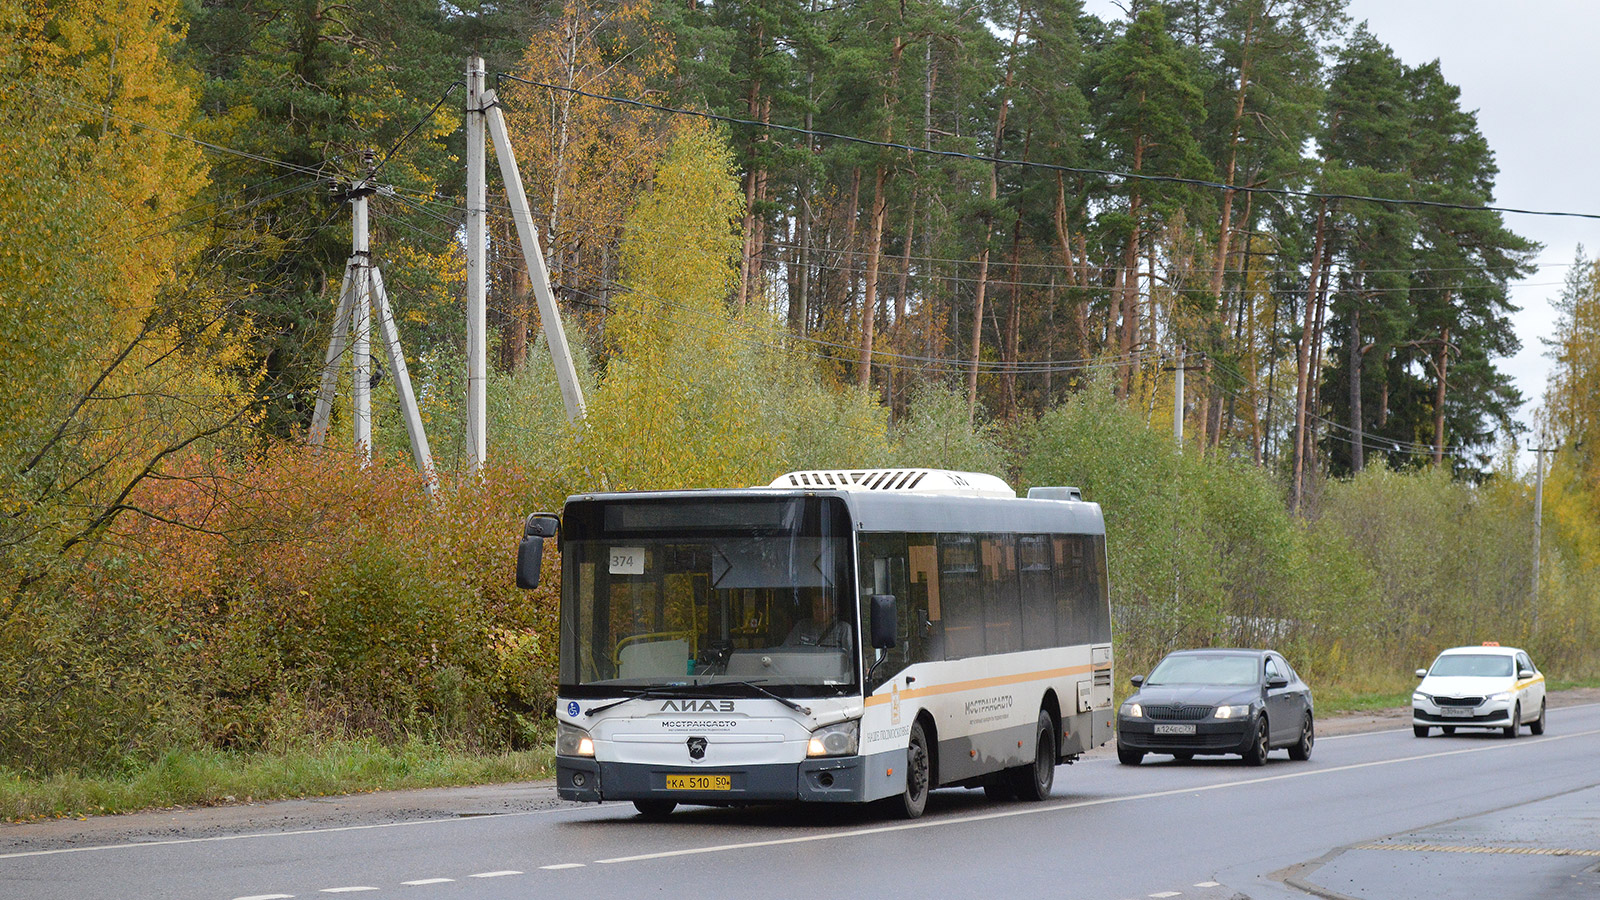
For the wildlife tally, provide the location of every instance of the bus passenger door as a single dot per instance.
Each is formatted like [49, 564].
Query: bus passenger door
[883, 571]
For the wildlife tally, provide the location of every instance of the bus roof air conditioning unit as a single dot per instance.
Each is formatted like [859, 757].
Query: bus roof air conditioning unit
[914, 481]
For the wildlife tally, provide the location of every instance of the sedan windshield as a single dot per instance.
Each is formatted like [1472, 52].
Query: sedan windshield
[1480, 665]
[1240, 670]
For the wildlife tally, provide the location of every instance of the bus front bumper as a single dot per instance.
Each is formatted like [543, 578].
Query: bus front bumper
[836, 780]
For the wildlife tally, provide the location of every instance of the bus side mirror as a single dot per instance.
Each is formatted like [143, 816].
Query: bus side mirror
[883, 621]
[530, 550]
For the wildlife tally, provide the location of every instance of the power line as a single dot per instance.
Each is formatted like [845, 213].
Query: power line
[1050, 167]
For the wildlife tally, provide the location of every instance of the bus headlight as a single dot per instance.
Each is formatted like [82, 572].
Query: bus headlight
[573, 741]
[838, 739]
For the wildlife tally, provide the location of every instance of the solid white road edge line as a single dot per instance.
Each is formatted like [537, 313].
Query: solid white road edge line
[1340, 737]
[1056, 807]
[302, 831]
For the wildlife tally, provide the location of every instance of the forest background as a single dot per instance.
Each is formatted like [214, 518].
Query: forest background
[983, 238]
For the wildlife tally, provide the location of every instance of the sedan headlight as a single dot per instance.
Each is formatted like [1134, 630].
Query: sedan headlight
[838, 739]
[573, 741]
[1232, 712]
[1503, 695]
[1420, 697]
[1133, 711]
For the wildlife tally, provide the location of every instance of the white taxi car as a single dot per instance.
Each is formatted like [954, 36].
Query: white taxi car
[1479, 687]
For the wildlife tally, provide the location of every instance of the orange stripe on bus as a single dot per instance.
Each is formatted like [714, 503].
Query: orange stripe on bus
[979, 683]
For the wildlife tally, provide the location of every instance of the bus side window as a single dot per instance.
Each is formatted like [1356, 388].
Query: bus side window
[961, 595]
[1072, 586]
[1002, 611]
[1096, 599]
[1038, 593]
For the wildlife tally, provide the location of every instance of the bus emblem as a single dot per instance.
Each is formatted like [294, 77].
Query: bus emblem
[697, 748]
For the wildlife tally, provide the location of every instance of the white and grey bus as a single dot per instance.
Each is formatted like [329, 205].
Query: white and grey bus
[837, 636]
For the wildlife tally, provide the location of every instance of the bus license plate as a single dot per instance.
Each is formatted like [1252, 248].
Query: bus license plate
[699, 782]
[1174, 729]
[1455, 712]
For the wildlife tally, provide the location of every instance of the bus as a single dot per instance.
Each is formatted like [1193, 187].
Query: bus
[840, 636]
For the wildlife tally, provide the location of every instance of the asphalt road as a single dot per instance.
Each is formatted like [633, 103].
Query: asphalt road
[1372, 815]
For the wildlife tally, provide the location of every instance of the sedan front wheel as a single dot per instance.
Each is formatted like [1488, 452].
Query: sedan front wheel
[1256, 755]
[1301, 751]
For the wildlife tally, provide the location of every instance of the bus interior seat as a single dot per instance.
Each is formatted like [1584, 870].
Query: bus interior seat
[653, 659]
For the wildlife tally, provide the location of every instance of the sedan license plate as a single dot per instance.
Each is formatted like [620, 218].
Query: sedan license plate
[699, 782]
[1455, 711]
[1174, 729]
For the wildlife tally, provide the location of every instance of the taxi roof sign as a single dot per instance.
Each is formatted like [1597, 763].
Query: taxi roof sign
[1491, 643]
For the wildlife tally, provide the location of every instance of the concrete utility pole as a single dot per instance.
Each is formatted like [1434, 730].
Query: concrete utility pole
[361, 289]
[1538, 522]
[1181, 366]
[1177, 398]
[477, 273]
[361, 349]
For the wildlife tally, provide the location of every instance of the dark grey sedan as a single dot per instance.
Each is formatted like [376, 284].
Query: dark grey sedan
[1248, 702]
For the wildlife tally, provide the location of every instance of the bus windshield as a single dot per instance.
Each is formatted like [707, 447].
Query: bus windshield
[694, 591]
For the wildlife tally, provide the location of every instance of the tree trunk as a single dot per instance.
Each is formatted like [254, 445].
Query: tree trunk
[1303, 360]
[847, 272]
[1226, 231]
[1358, 457]
[1443, 368]
[1010, 337]
[752, 182]
[514, 327]
[869, 303]
[988, 220]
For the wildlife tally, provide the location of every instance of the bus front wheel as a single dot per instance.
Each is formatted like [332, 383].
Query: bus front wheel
[655, 810]
[919, 775]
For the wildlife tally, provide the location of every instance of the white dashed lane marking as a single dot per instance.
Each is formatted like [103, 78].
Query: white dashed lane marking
[1165, 894]
[267, 897]
[421, 881]
[564, 866]
[348, 890]
[500, 874]
[1209, 884]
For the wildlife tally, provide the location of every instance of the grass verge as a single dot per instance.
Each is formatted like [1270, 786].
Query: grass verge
[212, 777]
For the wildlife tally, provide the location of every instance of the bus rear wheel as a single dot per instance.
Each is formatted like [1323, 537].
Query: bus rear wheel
[1033, 782]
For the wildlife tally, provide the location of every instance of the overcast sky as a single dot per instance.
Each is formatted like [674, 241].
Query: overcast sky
[1529, 70]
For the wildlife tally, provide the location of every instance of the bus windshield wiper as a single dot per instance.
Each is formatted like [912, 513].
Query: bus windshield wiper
[672, 693]
[804, 710]
[677, 692]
